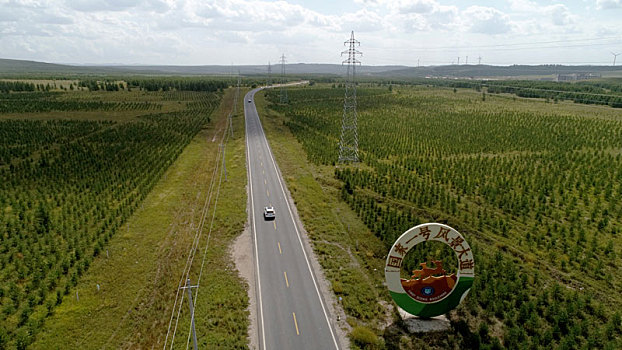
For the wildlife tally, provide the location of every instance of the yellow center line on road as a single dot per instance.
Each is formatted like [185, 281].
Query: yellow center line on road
[268, 193]
[286, 280]
[264, 181]
[275, 226]
[280, 251]
[296, 323]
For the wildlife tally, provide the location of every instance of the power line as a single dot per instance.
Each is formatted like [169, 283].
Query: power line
[195, 244]
[555, 47]
[590, 41]
[209, 234]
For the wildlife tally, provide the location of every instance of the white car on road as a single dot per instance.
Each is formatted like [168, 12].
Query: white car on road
[268, 213]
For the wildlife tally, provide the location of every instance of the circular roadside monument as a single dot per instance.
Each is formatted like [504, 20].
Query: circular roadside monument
[431, 290]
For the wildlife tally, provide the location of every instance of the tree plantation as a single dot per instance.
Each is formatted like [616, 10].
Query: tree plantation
[110, 182]
[535, 187]
[73, 167]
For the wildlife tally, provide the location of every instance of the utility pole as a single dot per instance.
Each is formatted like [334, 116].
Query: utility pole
[283, 88]
[479, 60]
[458, 60]
[236, 96]
[349, 143]
[615, 55]
[224, 163]
[188, 288]
[417, 63]
[269, 74]
[230, 124]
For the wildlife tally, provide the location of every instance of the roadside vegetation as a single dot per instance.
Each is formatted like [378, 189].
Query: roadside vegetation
[79, 243]
[534, 187]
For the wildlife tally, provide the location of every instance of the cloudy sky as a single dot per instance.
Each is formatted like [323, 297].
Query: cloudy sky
[195, 32]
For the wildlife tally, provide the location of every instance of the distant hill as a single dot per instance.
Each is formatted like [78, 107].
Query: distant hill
[296, 68]
[486, 71]
[10, 67]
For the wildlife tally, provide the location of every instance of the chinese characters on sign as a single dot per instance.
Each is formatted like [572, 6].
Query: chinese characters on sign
[430, 291]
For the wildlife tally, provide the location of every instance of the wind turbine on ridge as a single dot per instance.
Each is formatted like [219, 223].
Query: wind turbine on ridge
[615, 55]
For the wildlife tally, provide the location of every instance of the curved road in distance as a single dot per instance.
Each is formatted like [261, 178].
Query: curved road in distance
[290, 310]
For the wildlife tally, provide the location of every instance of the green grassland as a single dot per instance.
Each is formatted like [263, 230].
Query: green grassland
[90, 256]
[533, 186]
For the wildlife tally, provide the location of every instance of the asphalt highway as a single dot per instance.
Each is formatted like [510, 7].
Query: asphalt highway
[290, 309]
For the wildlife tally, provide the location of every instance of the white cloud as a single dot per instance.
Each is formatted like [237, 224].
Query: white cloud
[560, 15]
[523, 6]
[370, 2]
[420, 16]
[445, 17]
[608, 4]
[252, 15]
[232, 37]
[102, 5]
[52, 18]
[412, 22]
[252, 31]
[362, 20]
[417, 6]
[9, 16]
[532, 18]
[486, 20]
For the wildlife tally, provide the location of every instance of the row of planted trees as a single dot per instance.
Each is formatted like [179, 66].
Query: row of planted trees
[599, 92]
[156, 84]
[41, 103]
[66, 187]
[535, 191]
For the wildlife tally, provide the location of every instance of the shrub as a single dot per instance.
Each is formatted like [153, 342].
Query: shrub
[364, 337]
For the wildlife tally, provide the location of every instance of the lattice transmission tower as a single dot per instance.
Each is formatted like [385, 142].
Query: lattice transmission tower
[269, 82]
[283, 88]
[349, 143]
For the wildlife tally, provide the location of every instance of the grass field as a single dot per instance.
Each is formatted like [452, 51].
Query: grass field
[530, 184]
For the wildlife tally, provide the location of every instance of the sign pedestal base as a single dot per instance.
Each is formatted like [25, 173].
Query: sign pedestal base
[416, 324]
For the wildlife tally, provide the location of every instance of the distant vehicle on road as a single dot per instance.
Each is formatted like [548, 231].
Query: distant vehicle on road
[268, 213]
[249, 101]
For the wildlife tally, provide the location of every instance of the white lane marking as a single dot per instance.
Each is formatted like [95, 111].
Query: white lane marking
[304, 253]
